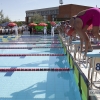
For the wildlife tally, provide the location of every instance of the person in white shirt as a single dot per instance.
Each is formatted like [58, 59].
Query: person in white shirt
[16, 30]
[52, 30]
[6, 31]
[45, 30]
[58, 27]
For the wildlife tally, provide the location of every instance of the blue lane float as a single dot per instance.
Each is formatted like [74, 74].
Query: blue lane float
[28, 47]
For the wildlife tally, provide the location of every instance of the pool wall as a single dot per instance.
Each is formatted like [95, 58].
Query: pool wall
[80, 78]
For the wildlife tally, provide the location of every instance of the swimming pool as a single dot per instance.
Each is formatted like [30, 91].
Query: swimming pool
[36, 85]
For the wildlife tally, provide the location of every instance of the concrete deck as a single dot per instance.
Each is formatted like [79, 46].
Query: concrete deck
[82, 64]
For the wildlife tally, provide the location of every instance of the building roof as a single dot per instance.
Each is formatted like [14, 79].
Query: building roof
[75, 5]
[50, 8]
[42, 9]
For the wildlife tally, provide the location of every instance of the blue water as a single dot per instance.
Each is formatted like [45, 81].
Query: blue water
[39, 85]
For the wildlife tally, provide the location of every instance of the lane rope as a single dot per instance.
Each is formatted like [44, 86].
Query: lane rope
[32, 55]
[27, 47]
[28, 43]
[33, 69]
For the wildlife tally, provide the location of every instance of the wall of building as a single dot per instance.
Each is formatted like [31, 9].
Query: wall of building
[26, 20]
[49, 17]
[75, 9]
[63, 12]
[67, 11]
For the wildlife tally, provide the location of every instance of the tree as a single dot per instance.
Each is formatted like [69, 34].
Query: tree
[36, 18]
[19, 23]
[6, 19]
[2, 18]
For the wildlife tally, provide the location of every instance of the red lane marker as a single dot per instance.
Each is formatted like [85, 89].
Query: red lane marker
[32, 54]
[26, 47]
[34, 69]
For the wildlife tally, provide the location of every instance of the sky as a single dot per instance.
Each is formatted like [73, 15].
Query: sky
[15, 9]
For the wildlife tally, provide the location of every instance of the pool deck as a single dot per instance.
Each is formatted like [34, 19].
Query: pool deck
[82, 64]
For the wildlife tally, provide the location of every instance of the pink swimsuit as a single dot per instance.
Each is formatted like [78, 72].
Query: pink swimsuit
[91, 16]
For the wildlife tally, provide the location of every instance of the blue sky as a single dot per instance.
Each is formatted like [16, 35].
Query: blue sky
[15, 9]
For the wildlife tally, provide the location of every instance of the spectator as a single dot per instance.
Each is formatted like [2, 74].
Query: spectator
[45, 30]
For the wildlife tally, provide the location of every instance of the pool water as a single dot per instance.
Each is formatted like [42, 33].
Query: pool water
[36, 85]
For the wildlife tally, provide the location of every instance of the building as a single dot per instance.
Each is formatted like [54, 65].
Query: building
[47, 13]
[62, 12]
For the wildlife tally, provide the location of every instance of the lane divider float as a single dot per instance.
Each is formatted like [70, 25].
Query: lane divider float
[27, 47]
[29, 43]
[34, 69]
[32, 55]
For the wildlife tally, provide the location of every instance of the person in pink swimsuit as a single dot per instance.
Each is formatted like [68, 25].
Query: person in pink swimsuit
[82, 21]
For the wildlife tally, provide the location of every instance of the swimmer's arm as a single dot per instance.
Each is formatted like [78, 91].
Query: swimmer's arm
[81, 40]
[86, 48]
[70, 39]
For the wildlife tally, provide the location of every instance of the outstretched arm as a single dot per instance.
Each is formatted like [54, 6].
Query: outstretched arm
[81, 46]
